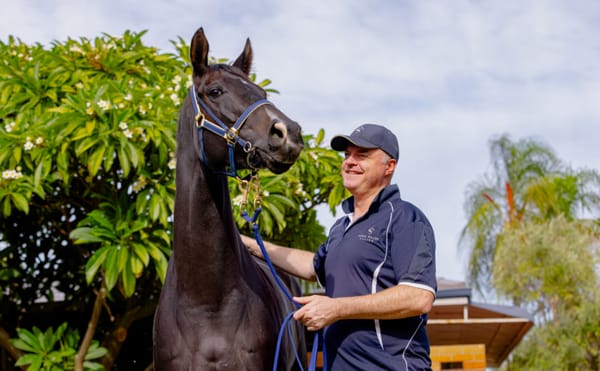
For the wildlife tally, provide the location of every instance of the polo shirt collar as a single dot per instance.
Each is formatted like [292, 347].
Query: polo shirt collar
[383, 195]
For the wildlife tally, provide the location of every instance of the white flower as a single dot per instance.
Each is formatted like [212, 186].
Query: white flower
[28, 144]
[89, 110]
[237, 200]
[123, 125]
[12, 174]
[39, 140]
[177, 79]
[10, 126]
[128, 97]
[140, 184]
[172, 164]
[128, 133]
[79, 85]
[104, 104]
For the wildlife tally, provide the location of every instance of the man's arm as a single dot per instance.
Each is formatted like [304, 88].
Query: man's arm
[294, 261]
[396, 302]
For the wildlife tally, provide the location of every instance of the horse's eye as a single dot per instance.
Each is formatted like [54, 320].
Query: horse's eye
[215, 92]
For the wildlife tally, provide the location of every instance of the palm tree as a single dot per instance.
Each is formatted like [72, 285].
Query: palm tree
[528, 183]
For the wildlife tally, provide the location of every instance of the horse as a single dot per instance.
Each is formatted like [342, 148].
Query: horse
[220, 308]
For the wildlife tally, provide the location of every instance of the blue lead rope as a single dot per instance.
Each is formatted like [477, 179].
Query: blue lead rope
[287, 321]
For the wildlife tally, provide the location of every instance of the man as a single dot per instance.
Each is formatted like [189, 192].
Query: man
[377, 265]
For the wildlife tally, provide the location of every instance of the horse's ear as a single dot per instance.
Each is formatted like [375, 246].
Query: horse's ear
[244, 61]
[199, 52]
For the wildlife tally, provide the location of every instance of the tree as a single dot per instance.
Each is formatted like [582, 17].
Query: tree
[87, 143]
[534, 240]
[550, 267]
[528, 184]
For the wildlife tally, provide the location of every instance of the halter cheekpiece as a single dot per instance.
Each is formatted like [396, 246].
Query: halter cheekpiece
[216, 126]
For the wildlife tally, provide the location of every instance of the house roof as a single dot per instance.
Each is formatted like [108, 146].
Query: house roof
[455, 320]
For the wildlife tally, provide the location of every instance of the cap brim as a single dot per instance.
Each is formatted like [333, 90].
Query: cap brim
[340, 143]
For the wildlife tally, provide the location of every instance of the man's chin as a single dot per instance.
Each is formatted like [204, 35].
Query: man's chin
[349, 185]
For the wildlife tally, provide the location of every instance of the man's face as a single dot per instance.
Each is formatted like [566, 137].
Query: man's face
[366, 171]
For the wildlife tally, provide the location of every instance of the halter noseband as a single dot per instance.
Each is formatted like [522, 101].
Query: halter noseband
[230, 134]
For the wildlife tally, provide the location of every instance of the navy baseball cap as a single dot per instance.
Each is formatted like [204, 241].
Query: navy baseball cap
[368, 136]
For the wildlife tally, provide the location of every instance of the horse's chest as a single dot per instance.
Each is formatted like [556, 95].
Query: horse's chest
[232, 338]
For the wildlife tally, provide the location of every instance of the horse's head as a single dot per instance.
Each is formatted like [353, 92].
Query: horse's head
[237, 122]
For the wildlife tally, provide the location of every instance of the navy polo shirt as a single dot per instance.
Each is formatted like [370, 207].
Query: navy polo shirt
[392, 244]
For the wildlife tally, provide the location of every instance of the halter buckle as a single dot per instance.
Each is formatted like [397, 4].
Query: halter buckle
[199, 119]
[231, 135]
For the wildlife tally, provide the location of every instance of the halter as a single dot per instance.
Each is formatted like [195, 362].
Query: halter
[230, 134]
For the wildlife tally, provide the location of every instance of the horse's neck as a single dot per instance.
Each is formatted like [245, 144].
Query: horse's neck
[205, 237]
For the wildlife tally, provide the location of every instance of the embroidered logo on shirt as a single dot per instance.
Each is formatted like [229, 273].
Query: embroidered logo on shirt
[369, 237]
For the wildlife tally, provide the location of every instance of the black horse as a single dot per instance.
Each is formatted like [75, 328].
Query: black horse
[219, 308]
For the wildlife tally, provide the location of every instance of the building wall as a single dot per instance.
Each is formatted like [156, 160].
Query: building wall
[458, 357]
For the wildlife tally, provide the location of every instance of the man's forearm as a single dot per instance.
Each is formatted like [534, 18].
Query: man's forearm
[395, 302]
[294, 261]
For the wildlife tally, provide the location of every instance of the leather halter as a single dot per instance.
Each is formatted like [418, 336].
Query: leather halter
[230, 134]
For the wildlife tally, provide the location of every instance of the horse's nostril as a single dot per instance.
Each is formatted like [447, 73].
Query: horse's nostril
[278, 131]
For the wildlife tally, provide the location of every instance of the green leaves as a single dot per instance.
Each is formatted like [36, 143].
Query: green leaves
[92, 123]
[54, 349]
[128, 243]
[95, 110]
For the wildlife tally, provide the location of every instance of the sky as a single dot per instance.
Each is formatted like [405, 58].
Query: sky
[445, 76]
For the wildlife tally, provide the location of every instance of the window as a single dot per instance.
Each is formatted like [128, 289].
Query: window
[452, 365]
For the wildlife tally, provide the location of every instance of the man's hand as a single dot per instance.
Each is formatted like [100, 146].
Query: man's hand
[317, 311]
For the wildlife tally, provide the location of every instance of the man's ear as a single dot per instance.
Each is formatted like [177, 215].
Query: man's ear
[390, 166]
